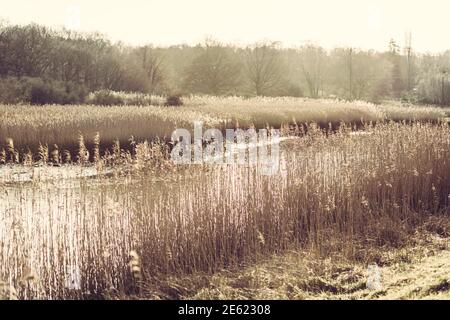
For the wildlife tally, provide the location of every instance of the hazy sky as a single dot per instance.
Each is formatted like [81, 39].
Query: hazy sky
[358, 23]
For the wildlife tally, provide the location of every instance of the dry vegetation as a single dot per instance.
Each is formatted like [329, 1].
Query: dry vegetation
[342, 193]
[28, 127]
[418, 270]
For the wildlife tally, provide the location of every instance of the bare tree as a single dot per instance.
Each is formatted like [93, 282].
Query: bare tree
[312, 59]
[152, 64]
[213, 71]
[398, 85]
[3, 49]
[263, 67]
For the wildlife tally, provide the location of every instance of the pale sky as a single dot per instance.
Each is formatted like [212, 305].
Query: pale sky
[357, 23]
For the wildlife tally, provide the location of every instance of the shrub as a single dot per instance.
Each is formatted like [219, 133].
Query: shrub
[141, 99]
[42, 92]
[75, 94]
[55, 92]
[39, 91]
[105, 98]
[13, 91]
[118, 98]
[174, 101]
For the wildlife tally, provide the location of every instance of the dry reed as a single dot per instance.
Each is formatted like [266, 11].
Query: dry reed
[336, 189]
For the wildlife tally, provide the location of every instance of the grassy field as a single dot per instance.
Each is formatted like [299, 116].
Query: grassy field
[24, 129]
[148, 219]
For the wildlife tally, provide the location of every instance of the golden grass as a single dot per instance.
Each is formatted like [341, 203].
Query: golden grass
[419, 270]
[31, 126]
[337, 191]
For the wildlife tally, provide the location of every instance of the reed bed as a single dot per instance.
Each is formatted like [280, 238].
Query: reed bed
[126, 232]
[31, 126]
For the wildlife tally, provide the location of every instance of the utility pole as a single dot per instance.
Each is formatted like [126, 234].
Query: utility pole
[444, 73]
[350, 73]
[408, 53]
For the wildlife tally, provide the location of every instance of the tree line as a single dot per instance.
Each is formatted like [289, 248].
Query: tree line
[63, 66]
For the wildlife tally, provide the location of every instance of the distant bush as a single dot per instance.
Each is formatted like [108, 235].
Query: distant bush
[173, 101]
[75, 94]
[105, 98]
[13, 91]
[46, 93]
[447, 111]
[40, 91]
[55, 92]
[142, 99]
[110, 98]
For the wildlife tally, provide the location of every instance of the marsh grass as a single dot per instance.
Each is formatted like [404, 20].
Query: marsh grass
[337, 191]
[30, 126]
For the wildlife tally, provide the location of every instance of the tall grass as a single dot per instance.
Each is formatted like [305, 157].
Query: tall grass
[107, 97]
[30, 126]
[124, 232]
